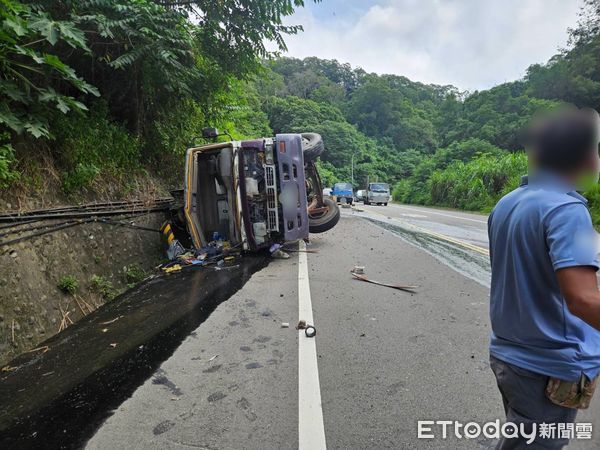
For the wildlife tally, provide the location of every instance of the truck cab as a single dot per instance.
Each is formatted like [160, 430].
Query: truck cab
[253, 193]
[343, 192]
[377, 193]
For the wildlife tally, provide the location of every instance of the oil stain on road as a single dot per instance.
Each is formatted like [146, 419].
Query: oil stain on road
[471, 264]
[57, 397]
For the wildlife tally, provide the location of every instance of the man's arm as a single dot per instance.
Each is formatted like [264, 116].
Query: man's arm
[579, 287]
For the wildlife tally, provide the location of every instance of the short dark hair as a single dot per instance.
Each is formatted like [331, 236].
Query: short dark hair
[564, 139]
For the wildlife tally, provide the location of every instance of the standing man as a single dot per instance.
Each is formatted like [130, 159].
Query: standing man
[545, 303]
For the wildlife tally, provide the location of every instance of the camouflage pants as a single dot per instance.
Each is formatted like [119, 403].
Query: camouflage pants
[525, 402]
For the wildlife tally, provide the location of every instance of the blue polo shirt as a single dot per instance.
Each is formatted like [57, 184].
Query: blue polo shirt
[540, 227]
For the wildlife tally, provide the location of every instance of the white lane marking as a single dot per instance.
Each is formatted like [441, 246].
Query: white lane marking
[311, 431]
[440, 214]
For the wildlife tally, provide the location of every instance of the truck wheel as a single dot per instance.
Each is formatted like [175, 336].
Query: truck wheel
[324, 221]
[312, 146]
[385, 204]
[366, 202]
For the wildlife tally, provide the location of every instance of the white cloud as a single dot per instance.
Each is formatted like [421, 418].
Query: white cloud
[473, 44]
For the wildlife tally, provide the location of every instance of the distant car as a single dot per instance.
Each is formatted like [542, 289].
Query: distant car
[378, 193]
[360, 195]
[326, 192]
[343, 192]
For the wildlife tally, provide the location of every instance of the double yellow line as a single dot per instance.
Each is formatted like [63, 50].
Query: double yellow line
[475, 248]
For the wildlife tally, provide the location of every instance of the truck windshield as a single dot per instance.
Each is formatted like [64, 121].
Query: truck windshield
[343, 187]
[380, 187]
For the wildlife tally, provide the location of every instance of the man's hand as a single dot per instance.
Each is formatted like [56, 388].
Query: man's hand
[579, 287]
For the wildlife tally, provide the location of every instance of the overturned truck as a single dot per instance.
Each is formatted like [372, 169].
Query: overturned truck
[256, 193]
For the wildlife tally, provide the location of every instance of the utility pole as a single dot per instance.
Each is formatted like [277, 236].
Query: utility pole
[352, 169]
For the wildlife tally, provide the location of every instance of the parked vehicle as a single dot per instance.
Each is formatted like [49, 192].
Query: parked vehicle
[256, 193]
[378, 193]
[343, 192]
[360, 195]
[326, 192]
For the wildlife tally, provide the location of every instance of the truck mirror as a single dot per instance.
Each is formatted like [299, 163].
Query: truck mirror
[209, 132]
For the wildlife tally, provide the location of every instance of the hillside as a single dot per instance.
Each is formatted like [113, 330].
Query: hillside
[96, 105]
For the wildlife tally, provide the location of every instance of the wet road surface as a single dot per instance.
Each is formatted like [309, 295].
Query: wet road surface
[464, 226]
[57, 395]
[229, 376]
[385, 357]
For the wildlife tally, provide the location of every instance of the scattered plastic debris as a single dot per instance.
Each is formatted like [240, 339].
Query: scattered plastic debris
[175, 249]
[280, 254]
[358, 269]
[218, 252]
[211, 359]
[113, 345]
[277, 252]
[285, 325]
[173, 268]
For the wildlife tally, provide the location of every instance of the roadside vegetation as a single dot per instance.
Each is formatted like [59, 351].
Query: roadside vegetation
[95, 95]
[101, 97]
[68, 284]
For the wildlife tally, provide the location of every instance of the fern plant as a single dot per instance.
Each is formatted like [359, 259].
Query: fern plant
[29, 69]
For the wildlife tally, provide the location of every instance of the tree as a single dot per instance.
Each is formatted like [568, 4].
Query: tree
[30, 70]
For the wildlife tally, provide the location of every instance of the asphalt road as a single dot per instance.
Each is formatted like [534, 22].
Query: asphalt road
[382, 358]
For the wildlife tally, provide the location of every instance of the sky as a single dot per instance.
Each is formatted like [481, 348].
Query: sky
[471, 44]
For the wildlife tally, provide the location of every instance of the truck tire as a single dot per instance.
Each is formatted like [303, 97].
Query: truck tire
[327, 220]
[312, 146]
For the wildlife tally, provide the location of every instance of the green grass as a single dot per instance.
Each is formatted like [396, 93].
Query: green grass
[103, 287]
[68, 284]
[134, 274]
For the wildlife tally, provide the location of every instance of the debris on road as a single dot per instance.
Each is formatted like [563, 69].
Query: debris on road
[285, 325]
[280, 254]
[358, 269]
[111, 321]
[211, 359]
[277, 252]
[301, 251]
[393, 286]
[309, 330]
[42, 349]
[113, 345]
[173, 268]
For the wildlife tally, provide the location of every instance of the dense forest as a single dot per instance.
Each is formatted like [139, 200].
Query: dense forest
[97, 97]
